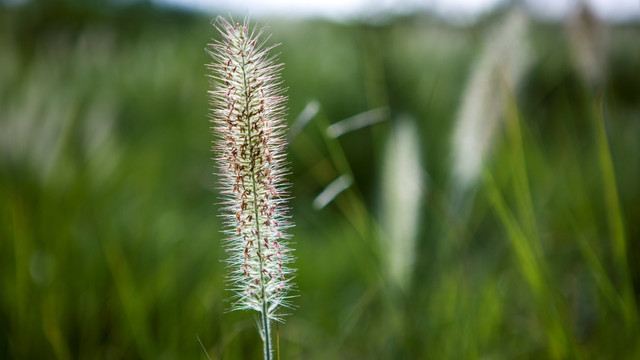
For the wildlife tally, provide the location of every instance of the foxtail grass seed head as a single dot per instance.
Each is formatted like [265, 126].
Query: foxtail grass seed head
[588, 42]
[403, 188]
[500, 69]
[248, 120]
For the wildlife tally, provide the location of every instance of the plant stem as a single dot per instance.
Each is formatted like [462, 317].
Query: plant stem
[267, 332]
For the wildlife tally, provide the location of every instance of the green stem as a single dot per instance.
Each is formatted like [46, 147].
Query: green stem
[615, 218]
[267, 332]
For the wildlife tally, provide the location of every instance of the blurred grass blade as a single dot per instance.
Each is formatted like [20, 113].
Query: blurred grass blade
[518, 166]
[332, 190]
[615, 219]
[528, 259]
[308, 113]
[558, 335]
[597, 269]
[203, 348]
[131, 300]
[356, 122]
[51, 328]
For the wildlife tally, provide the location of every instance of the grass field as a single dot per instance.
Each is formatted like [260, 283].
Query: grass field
[109, 233]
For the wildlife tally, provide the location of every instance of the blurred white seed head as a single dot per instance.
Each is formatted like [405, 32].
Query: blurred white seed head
[500, 69]
[358, 121]
[335, 188]
[248, 121]
[588, 44]
[403, 189]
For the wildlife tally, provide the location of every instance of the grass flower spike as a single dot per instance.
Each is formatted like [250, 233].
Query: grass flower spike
[248, 120]
[403, 190]
[500, 70]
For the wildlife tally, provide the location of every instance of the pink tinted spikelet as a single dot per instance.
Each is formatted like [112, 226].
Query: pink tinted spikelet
[248, 121]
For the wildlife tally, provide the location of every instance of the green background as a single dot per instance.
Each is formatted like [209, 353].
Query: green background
[109, 233]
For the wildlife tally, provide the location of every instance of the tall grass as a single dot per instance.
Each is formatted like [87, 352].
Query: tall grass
[248, 115]
[109, 235]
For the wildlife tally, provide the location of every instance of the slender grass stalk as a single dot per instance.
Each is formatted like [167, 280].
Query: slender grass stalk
[536, 274]
[247, 116]
[523, 232]
[615, 218]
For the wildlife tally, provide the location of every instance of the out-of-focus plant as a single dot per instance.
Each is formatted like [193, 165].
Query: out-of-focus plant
[402, 192]
[499, 70]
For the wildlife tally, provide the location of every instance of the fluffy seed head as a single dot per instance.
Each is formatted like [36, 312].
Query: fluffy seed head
[500, 69]
[248, 121]
[403, 189]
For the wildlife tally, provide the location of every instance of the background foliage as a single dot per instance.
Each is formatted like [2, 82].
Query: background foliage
[109, 236]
